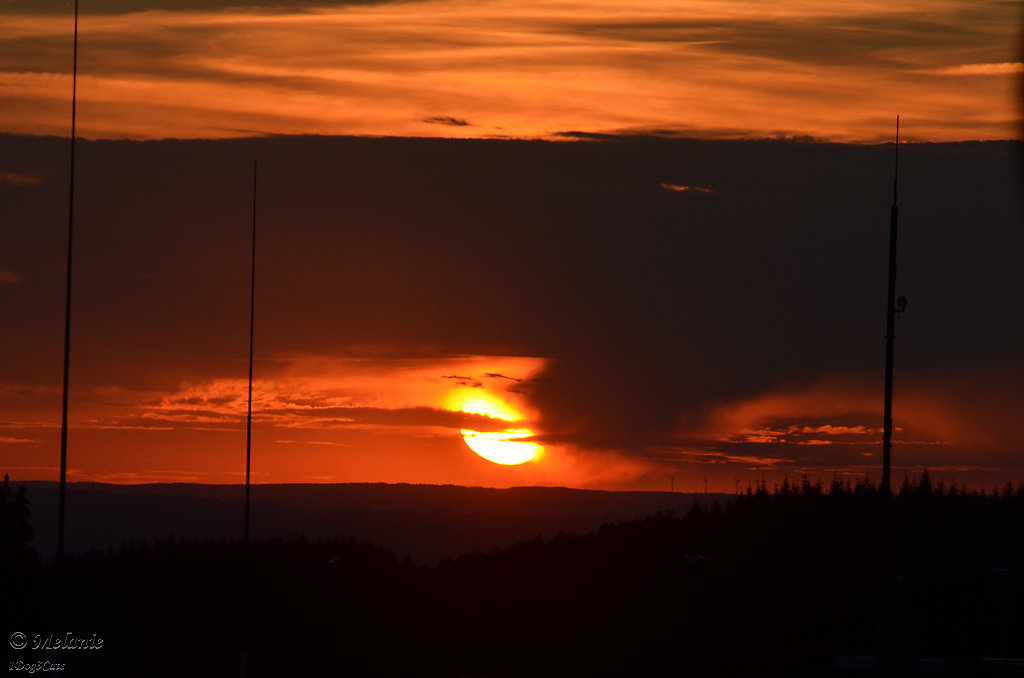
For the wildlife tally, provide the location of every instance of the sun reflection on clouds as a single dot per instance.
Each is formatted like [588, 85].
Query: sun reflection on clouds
[827, 426]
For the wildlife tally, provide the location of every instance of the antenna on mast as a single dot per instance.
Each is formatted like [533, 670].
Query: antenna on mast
[61, 503]
[890, 336]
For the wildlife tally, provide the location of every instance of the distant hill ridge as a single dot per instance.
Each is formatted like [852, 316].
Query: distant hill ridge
[426, 522]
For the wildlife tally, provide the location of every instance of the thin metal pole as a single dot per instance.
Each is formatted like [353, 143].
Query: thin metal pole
[890, 327]
[252, 317]
[61, 495]
[248, 433]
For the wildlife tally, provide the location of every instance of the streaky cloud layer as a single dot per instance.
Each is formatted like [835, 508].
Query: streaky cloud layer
[836, 71]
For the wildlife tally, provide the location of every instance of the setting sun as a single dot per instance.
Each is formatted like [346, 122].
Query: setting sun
[500, 447]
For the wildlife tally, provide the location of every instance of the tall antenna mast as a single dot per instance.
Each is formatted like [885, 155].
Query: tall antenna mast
[67, 329]
[890, 325]
[248, 429]
[252, 317]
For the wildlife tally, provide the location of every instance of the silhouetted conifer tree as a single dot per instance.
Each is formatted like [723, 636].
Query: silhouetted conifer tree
[836, 488]
[18, 562]
[924, 486]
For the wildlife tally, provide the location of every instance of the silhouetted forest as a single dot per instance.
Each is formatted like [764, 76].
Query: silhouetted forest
[428, 522]
[785, 581]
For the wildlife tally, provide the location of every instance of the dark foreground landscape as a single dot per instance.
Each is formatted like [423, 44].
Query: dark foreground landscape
[798, 580]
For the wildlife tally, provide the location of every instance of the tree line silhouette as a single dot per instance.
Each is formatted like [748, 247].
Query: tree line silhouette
[768, 582]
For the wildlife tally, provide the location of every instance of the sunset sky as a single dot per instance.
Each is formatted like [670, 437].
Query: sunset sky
[515, 68]
[652, 234]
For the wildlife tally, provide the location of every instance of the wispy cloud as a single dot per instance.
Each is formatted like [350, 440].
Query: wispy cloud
[495, 375]
[833, 71]
[1004, 68]
[676, 188]
[446, 120]
[19, 179]
[327, 443]
[832, 423]
[130, 6]
[463, 380]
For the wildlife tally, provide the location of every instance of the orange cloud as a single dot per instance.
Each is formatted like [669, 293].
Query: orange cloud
[1004, 68]
[368, 419]
[934, 426]
[19, 179]
[683, 189]
[521, 69]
